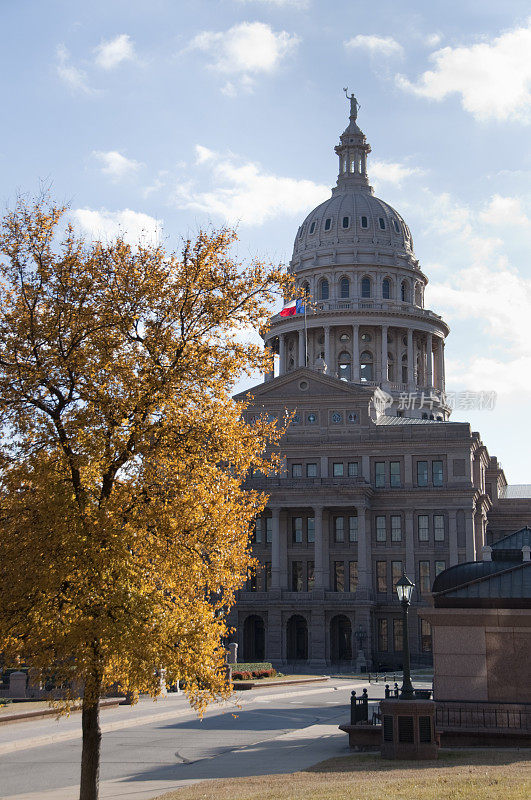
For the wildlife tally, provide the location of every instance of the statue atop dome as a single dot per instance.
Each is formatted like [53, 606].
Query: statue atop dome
[354, 105]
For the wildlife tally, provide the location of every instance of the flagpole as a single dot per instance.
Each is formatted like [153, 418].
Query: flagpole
[305, 334]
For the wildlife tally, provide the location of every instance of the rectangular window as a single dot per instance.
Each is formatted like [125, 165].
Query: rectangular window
[440, 566]
[353, 469]
[267, 576]
[425, 636]
[269, 530]
[383, 644]
[296, 470]
[339, 576]
[379, 474]
[257, 535]
[353, 529]
[352, 576]
[396, 572]
[424, 577]
[423, 528]
[339, 529]
[311, 529]
[297, 529]
[381, 576]
[311, 470]
[422, 473]
[438, 527]
[398, 641]
[380, 529]
[396, 528]
[437, 473]
[338, 470]
[296, 576]
[395, 473]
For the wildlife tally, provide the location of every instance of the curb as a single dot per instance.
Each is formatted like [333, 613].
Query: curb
[47, 712]
[245, 685]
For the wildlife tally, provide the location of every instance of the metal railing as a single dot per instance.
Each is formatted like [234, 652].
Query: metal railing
[486, 716]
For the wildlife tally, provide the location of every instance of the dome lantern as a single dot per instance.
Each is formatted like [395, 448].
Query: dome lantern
[352, 152]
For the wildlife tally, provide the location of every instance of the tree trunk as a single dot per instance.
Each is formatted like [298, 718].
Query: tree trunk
[90, 756]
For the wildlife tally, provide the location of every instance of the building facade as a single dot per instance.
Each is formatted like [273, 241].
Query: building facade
[377, 480]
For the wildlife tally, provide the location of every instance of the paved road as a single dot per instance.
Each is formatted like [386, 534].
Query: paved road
[154, 747]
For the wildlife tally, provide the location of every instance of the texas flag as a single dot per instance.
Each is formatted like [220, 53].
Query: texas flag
[295, 307]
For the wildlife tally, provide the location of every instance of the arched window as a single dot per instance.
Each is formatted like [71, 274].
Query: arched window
[418, 295]
[306, 288]
[364, 222]
[324, 287]
[386, 289]
[366, 365]
[328, 223]
[365, 287]
[344, 287]
[344, 366]
[404, 368]
[404, 292]
[390, 367]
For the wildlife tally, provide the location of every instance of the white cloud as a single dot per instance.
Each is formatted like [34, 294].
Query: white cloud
[109, 53]
[115, 165]
[73, 77]
[433, 39]
[245, 50]
[377, 45]
[493, 77]
[105, 225]
[244, 192]
[391, 172]
[504, 211]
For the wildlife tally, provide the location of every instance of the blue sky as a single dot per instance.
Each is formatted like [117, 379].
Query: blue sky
[165, 116]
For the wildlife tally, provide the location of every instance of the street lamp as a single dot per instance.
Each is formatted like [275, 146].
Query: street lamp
[404, 589]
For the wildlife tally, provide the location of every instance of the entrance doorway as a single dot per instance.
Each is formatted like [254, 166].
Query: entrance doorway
[297, 638]
[340, 638]
[254, 639]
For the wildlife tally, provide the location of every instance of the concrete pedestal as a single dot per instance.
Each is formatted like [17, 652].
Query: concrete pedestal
[408, 729]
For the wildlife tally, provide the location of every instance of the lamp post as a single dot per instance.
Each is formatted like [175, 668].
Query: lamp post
[404, 589]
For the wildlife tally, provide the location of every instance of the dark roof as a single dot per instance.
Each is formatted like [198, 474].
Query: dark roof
[514, 541]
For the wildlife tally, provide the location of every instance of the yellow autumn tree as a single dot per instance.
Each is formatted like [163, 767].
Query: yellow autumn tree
[124, 524]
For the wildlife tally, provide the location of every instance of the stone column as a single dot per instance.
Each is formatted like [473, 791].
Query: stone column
[282, 354]
[318, 548]
[410, 364]
[429, 360]
[452, 537]
[356, 353]
[302, 354]
[329, 369]
[284, 533]
[410, 546]
[275, 548]
[384, 355]
[443, 377]
[364, 555]
[470, 553]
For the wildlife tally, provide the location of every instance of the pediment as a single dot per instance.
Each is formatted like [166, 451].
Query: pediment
[305, 383]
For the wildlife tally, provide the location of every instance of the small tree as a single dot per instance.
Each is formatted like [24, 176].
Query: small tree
[124, 522]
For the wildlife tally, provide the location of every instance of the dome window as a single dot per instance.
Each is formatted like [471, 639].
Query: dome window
[364, 222]
[306, 288]
[366, 337]
[395, 226]
[344, 288]
[346, 222]
[386, 289]
[301, 231]
[390, 367]
[365, 287]
[343, 366]
[366, 363]
[312, 227]
[381, 223]
[328, 223]
[404, 292]
[325, 290]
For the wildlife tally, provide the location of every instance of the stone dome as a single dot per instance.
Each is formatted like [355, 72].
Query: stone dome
[354, 217]
[353, 222]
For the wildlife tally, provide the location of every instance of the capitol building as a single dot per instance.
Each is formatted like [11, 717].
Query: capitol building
[377, 480]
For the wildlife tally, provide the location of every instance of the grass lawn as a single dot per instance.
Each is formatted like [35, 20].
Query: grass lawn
[456, 775]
